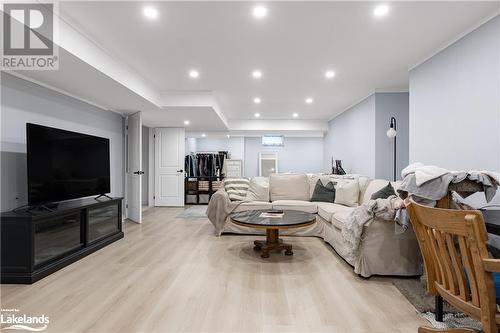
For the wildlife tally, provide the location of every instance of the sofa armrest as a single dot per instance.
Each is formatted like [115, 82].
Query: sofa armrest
[219, 208]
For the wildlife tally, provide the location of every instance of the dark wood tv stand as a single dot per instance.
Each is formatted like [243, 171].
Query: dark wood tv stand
[35, 244]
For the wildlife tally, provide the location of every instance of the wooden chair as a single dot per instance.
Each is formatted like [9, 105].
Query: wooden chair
[457, 264]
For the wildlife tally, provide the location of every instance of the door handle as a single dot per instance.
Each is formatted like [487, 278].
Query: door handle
[139, 173]
[180, 170]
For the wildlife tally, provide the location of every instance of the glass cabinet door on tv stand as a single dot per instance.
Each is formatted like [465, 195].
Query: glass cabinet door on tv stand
[102, 221]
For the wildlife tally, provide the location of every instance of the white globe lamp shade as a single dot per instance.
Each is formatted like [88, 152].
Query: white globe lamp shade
[391, 133]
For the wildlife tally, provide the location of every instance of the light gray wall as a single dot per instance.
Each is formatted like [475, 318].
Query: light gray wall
[358, 136]
[455, 104]
[190, 145]
[23, 102]
[234, 145]
[145, 164]
[299, 155]
[350, 138]
[389, 105]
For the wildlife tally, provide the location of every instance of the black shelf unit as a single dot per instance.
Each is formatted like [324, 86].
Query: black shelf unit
[192, 188]
[36, 243]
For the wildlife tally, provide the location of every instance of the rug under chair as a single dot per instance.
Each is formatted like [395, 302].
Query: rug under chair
[414, 290]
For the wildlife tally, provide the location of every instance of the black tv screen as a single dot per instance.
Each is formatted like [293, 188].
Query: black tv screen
[65, 165]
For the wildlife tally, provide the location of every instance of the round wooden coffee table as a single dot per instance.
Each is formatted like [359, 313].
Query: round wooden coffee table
[272, 225]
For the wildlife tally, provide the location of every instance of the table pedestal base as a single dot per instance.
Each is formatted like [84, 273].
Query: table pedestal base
[272, 243]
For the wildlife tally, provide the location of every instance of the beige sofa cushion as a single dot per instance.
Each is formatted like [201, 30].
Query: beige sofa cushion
[303, 206]
[258, 189]
[289, 187]
[339, 218]
[363, 185]
[347, 192]
[253, 205]
[326, 210]
[377, 184]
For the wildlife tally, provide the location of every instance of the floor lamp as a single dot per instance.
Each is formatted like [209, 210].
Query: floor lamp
[391, 134]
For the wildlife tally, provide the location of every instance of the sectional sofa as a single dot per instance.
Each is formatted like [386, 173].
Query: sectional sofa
[382, 251]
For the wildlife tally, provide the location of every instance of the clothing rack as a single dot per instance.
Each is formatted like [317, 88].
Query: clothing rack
[205, 164]
[204, 175]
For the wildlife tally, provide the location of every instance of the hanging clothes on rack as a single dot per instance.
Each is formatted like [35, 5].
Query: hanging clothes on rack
[205, 164]
[191, 165]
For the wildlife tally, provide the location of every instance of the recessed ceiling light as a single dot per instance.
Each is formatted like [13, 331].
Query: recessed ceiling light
[257, 115]
[186, 122]
[257, 100]
[194, 74]
[329, 74]
[259, 12]
[309, 100]
[150, 12]
[295, 115]
[381, 10]
[203, 135]
[257, 74]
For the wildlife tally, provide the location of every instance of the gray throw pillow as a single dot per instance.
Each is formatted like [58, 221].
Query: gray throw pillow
[324, 193]
[384, 193]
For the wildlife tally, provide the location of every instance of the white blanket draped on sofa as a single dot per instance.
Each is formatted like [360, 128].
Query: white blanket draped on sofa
[352, 229]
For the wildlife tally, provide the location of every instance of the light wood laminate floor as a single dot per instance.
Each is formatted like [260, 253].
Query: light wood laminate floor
[173, 275]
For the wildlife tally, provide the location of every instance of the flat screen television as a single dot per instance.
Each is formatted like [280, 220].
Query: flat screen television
[65, 165]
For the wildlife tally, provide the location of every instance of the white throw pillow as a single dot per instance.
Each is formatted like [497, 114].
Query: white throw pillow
[289, 187]
[258, 189]
[347, 192]
[236, 188]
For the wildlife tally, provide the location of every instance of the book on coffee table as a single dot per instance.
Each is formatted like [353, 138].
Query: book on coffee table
[271, 215]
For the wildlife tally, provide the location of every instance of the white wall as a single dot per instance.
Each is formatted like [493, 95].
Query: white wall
[389, 105]
[455, 104]
[299, 155]
[24, 102]
[350, 138]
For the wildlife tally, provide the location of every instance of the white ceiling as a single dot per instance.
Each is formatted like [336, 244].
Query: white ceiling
[76, 78]
[201, 118]
[293, 46]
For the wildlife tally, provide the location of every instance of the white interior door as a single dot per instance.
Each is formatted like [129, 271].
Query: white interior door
[134, 165]
[169, 166]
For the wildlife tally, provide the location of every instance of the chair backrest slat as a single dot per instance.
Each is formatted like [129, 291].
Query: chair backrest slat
[469, 268]
[438, 268]
[457, 267]
[446, 262]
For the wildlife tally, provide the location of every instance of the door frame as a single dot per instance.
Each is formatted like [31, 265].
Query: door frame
[182, 144]
[152, 176]
[263, 157]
